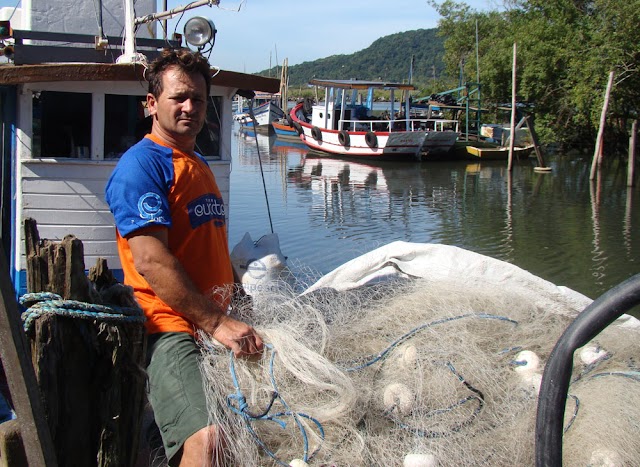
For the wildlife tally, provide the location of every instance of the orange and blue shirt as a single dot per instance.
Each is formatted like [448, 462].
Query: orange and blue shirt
[154, 185]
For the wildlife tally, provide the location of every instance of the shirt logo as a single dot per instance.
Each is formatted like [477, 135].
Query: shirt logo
[204, 209]
[150, 206]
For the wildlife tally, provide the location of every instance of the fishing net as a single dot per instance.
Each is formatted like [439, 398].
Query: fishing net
[438, 367]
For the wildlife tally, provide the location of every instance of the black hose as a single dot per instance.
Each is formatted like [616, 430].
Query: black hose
[557, 373]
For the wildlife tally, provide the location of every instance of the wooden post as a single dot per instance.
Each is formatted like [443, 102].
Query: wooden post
[16, 359]
[534, 138]
[513, 108]
[89, 371]
[597, 155]
[632, 153]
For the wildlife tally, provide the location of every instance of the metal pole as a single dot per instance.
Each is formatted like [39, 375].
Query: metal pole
[164, 21]
[169, 13]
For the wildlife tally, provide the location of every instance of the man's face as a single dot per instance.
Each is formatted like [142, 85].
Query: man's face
[179, 112]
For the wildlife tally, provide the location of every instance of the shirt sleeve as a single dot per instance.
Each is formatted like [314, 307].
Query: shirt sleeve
[137, 191]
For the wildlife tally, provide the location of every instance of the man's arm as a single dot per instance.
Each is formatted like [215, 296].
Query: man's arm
[168, 279]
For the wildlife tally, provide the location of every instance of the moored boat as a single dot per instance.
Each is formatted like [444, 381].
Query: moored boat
[261, 117]
[67, 124]
[284, 130]
[342, 127]
[487, 150]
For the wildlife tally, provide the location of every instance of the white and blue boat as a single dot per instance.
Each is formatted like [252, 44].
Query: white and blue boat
[261, 111]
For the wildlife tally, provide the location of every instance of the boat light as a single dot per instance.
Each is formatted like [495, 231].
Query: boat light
[199, 31]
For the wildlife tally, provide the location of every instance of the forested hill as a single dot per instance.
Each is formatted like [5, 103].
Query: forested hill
[388, 59]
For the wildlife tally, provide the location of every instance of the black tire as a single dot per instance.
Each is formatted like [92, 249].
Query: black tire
[307, 106]
[289, 119]
[371, 139]
[316, 133]
[297, 127]
[343, 138]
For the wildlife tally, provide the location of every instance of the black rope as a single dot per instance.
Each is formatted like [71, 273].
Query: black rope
[264, 186]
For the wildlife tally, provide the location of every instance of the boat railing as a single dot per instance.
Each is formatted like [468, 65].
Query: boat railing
[414, 124]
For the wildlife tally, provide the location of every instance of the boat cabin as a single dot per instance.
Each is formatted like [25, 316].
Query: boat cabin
[65, 125]
[344, 108]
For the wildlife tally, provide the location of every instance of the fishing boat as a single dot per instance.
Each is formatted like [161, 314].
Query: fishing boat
[262, 110]
[284, 130]
[343, 127]
[73, 101]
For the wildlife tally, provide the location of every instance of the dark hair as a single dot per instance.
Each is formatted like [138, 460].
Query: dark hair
[184, 59]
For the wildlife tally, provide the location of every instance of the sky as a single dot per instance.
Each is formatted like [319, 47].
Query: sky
[256, 34]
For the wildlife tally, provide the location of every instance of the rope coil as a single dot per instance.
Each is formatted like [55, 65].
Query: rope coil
[39, 304]
[242, 409]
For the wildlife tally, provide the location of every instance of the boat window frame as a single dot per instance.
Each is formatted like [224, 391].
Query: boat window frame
[99, 90]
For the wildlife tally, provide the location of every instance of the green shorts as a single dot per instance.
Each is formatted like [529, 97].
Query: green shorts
[175, 388]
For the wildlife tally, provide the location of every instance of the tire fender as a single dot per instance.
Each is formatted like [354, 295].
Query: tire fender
[316, 133]
[343, 138]
[371, 139]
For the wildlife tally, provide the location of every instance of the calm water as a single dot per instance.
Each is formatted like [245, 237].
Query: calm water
[326, 211]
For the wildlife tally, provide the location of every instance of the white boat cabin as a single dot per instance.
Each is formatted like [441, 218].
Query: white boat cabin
[64, 127]
[345, 108]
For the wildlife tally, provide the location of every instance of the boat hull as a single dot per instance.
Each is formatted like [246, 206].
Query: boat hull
[264, 116]
[285, 131]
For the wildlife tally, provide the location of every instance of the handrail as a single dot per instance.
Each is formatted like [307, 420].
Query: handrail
[416, 124]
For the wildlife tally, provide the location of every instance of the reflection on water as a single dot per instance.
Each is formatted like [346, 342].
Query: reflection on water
[558, 225]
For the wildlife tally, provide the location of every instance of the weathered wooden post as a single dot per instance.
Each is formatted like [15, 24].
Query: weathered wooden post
[632, 153]
[512, 139]
[33, 432]
[542, 167]
[597, 154]
[88, 361]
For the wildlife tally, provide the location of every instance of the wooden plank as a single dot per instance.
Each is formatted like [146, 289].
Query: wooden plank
[65, 202]
[46, 217]
[53, 187]
[67, 169]
[16, 359]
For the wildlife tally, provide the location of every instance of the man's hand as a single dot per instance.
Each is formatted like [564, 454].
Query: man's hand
[241, 338]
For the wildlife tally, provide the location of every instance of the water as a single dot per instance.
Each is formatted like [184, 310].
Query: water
[326, 211]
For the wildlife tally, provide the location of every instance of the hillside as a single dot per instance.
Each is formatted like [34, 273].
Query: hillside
[388, 58]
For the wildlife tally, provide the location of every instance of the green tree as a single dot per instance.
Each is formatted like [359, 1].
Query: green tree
[565, 52]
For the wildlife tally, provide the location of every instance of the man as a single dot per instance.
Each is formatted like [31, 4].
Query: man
[172, 243]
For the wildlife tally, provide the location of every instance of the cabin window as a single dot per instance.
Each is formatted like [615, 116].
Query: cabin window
[61, 124]
[208, 141]
[125, 123]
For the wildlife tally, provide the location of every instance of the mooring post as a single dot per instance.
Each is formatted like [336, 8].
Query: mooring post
[536, 146]
[25, 393]
[513, 108]
[597, 154]
[632, 153]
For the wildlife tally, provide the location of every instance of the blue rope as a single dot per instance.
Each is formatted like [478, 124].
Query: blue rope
[574, 415]
[372, 359]
[49, 303]
[242, 409]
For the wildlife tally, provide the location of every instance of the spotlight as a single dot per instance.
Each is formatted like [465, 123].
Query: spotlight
[199, 31]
